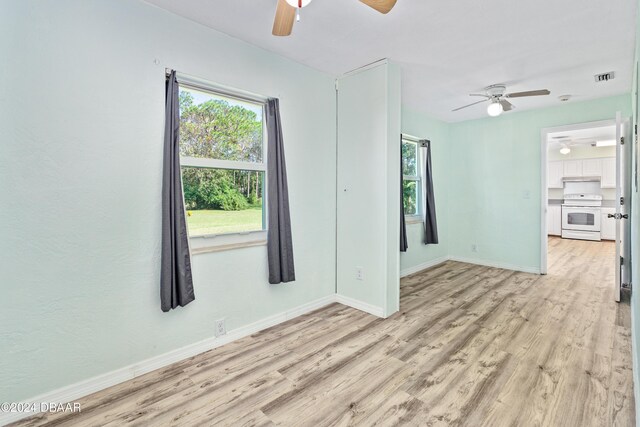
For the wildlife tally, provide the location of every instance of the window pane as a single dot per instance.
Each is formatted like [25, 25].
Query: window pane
[410, 197]
[216, 127]
[409, 158]
[222, 201]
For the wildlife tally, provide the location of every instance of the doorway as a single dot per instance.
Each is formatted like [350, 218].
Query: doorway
[585, 194]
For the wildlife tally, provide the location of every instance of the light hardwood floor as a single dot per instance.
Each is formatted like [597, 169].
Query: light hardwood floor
[472, 345]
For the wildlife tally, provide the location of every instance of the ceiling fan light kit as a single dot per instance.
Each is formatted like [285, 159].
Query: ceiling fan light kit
[495, 109]
[288, 11]
[498, 98]
[565, 150]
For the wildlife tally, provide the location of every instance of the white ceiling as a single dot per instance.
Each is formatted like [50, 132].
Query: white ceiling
[581, 136]
[447, 48]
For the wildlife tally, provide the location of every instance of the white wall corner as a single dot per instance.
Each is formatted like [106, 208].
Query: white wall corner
[359, 305]
[429, 264]
[506, 266]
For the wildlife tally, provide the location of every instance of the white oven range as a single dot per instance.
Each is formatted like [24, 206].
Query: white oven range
[581, 216]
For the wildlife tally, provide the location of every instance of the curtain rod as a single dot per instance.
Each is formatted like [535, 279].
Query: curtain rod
[203, 84]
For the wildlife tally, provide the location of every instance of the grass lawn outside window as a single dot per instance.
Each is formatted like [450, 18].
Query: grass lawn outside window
[208, 222]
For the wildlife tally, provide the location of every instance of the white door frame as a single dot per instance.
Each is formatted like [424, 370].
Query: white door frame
[544, 190]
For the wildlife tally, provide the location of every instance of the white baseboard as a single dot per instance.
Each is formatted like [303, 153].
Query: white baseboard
[359, 305]
[83, 388]
[416, 268]
[506, 266]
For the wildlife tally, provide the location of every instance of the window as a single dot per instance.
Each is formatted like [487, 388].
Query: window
[223, 159]
[411, 187]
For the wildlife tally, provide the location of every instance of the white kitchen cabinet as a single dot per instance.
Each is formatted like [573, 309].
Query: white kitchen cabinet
[607, 225]
[608, 179]
[592, 167]
[572, 168]
[603, 168]
[554, 220]
[555, 173]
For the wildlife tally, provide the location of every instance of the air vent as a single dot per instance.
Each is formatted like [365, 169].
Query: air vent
[605, 77]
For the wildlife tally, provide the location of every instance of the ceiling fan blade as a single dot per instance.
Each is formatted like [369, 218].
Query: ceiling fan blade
[457, 109]
[528, 93]
[506, 105]
[285, 17]
[382, 6]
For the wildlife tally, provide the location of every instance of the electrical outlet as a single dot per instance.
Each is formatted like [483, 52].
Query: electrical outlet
[221, 328]
[474, 248]
[359, 273]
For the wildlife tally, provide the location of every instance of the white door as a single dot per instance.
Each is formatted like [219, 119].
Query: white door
[622, 202]
[572, 168]
[608, 179]
[608, 224]
[557, 220]
[592, 167]
[581, 218]
[554, 220]
[554, 174]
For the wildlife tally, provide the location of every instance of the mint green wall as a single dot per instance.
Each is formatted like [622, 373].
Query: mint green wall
[394, 126]
[81, 113]
[368, 211]
[80, 166]
[503, 154]
[487, 182]
[421, 126]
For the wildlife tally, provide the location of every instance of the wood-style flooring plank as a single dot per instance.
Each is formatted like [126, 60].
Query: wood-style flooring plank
[471, 346]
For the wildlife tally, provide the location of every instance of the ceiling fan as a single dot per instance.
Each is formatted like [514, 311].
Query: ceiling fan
[498, 98]
[288, 10]
[566, 143]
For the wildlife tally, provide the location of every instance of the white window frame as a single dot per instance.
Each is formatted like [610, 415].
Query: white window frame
[417, 217]
[234, 240]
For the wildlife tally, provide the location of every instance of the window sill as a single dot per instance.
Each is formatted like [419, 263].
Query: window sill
[227, 242]
[413, 219]
[229, 247]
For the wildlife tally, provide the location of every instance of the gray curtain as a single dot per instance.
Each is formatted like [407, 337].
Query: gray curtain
[430, 223]
[404, 243]
[279, 242]
[176, 284]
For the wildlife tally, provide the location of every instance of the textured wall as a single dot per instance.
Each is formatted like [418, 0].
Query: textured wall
[369, 114]
[495, 180]
[421, 126]
[81, 113]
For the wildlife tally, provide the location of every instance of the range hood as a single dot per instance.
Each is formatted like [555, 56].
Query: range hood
[581, 178]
